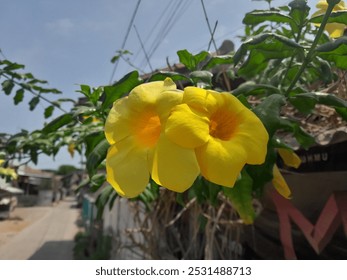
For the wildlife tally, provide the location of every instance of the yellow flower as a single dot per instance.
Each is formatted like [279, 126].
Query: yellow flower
[8, 171]
[280, 183]
[290, 159]
[224, 133]
[335, 30]
[71, 149]
[139, 147]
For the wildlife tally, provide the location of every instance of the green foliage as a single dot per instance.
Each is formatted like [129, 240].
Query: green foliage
[241, 197]
[335, 51]
[92, 246]
[13, 80]
[66, 169]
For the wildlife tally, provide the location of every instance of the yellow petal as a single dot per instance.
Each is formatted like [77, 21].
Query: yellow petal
[2, 161]
[323, 5]
[166, 101]
[71, 149]
[221, 161]
[289, 157]
[187, 128]
[279, 183]
[335, 30]
[200, 99]
[117, 126]
[252, 134]
[127, 168]
[147, 94]
[340, 6]
[172, 166]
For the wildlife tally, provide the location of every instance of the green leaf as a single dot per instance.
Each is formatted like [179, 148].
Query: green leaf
[13, 66]
[85, 90]
[96, 95]
[7, 86]
[49, 111]
[112, 200]
[262, 49]
[97, 156]
[58, 123]
[119, 89]
[33, 102]
[263, 173]
[269, 112]
[335, 17]
[299, 12]
[305, 102]
[92, 140]
[201, 76]
[19, 96]
[191, 61]
[119, 54]
[97, 181]
[162, 75]
[251, 88]
[241, 197]
[34, 156]
[260, 16]
[218, 60]
[103, 199]
[335, 51]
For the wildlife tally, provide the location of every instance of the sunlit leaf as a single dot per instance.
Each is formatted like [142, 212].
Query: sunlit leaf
[191, 61]
[241, 197]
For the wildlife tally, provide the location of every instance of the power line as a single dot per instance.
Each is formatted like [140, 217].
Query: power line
[156, 24]
[125, 38]
[209, 26]
[178, 12]
[143, 48]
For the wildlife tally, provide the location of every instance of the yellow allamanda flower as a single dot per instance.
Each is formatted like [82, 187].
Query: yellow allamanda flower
[223, 132]
[335, 30]
[8, 171]
[139, 147]
[71, 149]
[290, 159]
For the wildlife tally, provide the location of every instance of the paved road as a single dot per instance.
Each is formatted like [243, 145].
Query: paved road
[48, 238]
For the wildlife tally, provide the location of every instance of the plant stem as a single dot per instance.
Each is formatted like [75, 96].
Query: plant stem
[312, 49]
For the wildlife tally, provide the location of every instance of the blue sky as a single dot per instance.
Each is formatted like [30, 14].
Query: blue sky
[71, 42]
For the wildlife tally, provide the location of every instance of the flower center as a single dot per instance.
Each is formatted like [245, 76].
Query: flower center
[222, 125]
[147, 128]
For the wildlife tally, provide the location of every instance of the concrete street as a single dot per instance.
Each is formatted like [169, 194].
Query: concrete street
[41, 233]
